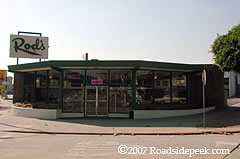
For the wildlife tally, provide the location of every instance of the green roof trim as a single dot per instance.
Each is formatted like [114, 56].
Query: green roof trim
[137, 64]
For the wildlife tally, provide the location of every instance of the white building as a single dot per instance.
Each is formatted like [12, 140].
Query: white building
[232, 83]
[8, 85]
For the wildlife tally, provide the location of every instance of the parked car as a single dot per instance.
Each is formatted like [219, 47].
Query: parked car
[167, 99]
[138, 99]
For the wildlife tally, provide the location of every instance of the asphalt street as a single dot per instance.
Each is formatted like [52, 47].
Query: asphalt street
[68, 146]
[38, 146]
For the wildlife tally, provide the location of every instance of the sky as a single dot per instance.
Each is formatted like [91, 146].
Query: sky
[179, 31]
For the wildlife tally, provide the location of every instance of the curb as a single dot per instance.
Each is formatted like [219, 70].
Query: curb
[124, 133]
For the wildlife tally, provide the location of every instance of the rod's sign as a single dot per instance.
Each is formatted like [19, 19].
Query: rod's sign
[28, 46]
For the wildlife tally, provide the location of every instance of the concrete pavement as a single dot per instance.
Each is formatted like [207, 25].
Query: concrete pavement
[219, 120]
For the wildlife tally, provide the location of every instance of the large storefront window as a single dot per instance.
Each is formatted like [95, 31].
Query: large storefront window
[179, 89]
[144, 86]
[162, 87]
[53, 88]
[41, 82]
[120, 94]
[97, 77]
[73, 92]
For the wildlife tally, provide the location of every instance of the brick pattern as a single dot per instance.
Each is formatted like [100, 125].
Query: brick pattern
[214, 86]
[17, 91]
[214, 89]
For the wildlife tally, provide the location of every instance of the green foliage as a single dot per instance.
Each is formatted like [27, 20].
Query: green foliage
[226, 50]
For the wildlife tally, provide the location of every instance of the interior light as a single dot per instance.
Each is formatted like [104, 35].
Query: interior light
[37, 81]
[182, 81]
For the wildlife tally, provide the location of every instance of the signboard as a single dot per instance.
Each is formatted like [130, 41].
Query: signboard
[204, 81]
[204, 77]
[23, 46]
[5, 83]
[97, 81]
[2, 90]
[3, 75]
[73, 76]
[120, 77]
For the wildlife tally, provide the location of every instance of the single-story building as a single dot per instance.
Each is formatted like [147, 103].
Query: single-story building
[96, 88]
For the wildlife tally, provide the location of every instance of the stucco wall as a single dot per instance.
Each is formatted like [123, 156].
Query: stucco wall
[151, 114]
[35, 113]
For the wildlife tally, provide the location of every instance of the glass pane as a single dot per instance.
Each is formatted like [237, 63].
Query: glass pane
[53, 95]
[91, 94]
[144, 84]
[102, 108]
[53, 90]
[73, 100]
[41, 82]
[179, 92]
[97, 77]
[162, 87]
[91, 108]
[73, 78]
[121, 77]
[144, 78]
[41, 79]
[102, 93]
[120, 99]
[54, 79]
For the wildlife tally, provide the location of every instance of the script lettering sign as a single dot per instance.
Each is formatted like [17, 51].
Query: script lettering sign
[28, 46]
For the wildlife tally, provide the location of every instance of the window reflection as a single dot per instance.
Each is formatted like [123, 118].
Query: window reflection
[73, 100]
[179, 90]
[120, 99]
[121, 77]
[73, 93]
[29, 87]
[53, 90]
[162, 87]
[73, 78]
[120, 94]
[144, 86]
[97, 77]
[41, 81]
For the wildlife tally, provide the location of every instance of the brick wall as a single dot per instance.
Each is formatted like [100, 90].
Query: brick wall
[17, 91]
[214, 86]
[214, 89]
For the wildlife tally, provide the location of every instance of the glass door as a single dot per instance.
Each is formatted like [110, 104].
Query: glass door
[90, 105]
[96, 101]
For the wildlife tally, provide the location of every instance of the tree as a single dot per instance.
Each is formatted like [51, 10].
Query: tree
[226, 50]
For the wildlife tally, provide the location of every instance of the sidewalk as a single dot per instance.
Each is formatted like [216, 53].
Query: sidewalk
[220, 120]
